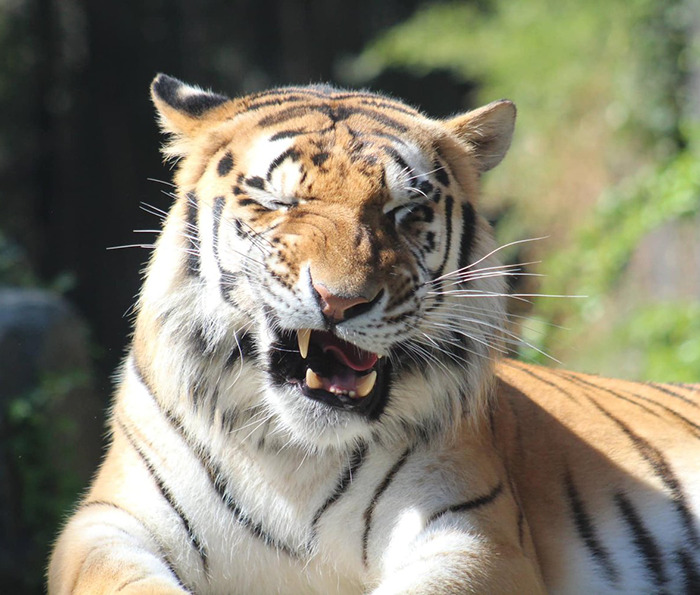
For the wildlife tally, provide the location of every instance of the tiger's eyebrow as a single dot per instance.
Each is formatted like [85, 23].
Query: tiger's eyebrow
[291, 153]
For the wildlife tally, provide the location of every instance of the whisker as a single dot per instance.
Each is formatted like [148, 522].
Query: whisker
[151, 210]
[427, 173]
[479, 293]
[417, 190]
[473, 264]
[145, 246]
[164, 182]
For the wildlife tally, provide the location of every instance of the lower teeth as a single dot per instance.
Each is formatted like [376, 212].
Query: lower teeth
[363, 388]
[313, 380]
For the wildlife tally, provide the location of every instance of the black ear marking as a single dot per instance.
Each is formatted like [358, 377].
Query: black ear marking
[184, 98]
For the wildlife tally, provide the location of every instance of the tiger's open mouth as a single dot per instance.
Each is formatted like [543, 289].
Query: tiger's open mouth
[330, 370]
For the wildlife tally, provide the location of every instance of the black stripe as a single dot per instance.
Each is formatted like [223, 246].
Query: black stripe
[316, 91]
[320, 158]
[288, 134]
[468, 231]
[162, 554]
[256, 182]
[381, 488]
[694, 428]
[228, 280]
[244, 348]
[255, 528]
[281, 100]
[290, 153]
[538, 377]
[343, 483]
[327, 93]
[396, 156]
[167, 494]
[290, 113]
[691, 573]
[425, 187]
[582, 382]
[334, 113]
[469, 505]
[586, 530]
[192, 234]
[643, 540]
[662, 470]
[376, 132]
[673, 393]
[225, 164]
[449, 204]
[216, 477]
[440, 171]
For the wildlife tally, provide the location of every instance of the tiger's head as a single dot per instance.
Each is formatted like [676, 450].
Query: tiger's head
[324, 262]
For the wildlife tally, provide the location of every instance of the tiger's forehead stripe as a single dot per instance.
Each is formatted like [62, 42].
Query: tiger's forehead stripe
[334, 113]
[277, 97]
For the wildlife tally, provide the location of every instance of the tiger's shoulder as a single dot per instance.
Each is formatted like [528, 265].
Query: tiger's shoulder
[578, 400]
[610, 464]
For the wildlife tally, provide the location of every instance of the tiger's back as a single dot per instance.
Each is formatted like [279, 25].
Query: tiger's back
[312, 400]
[608, 475]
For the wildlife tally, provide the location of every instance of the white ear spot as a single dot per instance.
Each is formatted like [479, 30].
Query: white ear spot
[182, 108]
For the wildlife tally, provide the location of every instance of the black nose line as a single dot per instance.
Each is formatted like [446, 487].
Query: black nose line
[359, 309]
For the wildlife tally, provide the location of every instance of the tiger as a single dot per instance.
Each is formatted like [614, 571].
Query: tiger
[318, 398]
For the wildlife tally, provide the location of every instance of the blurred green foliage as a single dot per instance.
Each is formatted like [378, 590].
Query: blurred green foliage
[604, 154]
[661, 338]
[35, 430]
[41, 446]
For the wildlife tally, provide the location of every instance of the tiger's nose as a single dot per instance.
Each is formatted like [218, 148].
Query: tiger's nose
[337, 308]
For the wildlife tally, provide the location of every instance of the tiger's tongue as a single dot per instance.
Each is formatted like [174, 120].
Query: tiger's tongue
[347, 354]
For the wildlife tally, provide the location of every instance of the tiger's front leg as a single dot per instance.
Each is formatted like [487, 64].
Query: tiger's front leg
[106, 550]
[452, 525]
[443, 562]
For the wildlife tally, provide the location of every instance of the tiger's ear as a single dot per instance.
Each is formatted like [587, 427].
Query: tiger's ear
[182, 109]
[488, 130]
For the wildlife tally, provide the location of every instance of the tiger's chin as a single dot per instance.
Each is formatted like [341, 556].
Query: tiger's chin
[326, 386]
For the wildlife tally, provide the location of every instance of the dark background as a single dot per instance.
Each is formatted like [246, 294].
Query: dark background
[80, 139]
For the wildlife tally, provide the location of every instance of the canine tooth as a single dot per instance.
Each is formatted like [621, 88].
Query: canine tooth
[313, 380]
[365, 386]
[303, 337]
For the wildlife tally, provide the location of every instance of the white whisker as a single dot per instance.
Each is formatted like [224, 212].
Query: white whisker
[123, 246]
[473, 264]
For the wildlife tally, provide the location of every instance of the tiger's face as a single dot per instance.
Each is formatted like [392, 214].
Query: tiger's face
[333, 236]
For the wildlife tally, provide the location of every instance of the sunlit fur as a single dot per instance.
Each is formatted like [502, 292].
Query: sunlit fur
[465, 473]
